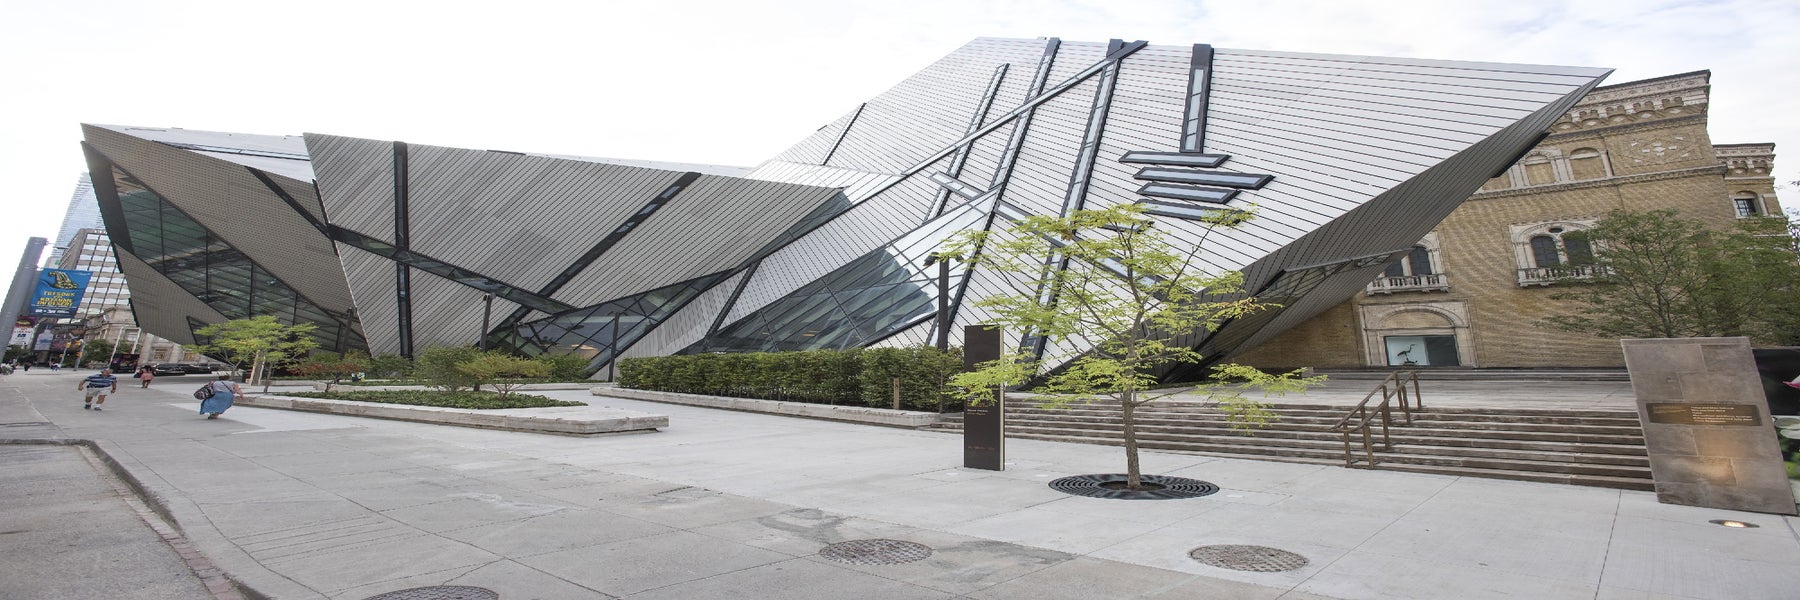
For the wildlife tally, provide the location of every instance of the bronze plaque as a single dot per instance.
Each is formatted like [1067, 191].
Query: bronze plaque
[1704, 414]
[984, 427]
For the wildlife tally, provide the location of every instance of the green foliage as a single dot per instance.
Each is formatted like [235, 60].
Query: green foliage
[463, 399]
[260, 341]
[95, 353]
[861, 377]
[1661, 276]
[390, 366]
[923, 371]
[437, 366]
[331, 367]
[1127, 291]
[503, 371]
[565, 367]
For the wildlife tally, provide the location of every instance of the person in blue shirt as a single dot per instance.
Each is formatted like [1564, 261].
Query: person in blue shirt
[98, 386]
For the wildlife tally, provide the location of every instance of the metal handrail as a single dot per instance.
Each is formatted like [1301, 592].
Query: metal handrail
[1392, 388]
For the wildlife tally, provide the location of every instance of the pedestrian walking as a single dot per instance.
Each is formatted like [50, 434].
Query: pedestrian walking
[146, 375]
[223, 392]
[97, 386]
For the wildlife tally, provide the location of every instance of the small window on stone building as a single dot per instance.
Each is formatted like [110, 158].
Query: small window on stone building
[1578, 249]
[1538, 170]
[1587, 163]
[1747, 204]
[1543, 252]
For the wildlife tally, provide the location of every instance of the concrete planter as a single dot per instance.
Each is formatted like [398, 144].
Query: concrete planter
[566, 420]
[855, 414]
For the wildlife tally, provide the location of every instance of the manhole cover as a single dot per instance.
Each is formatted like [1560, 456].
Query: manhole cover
[1111, 486]
[1261, 559]
[439, 592]
[875, 552]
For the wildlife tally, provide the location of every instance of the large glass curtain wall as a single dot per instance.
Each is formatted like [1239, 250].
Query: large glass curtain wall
[873, 297]
[590, 332]
[210, 269]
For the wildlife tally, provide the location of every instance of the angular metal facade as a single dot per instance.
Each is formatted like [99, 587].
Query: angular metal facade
[1346, 160]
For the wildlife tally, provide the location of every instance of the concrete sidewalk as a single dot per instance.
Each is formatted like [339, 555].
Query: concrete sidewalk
[737, 505]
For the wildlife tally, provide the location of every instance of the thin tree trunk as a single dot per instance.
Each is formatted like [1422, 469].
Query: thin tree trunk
[1133, 478]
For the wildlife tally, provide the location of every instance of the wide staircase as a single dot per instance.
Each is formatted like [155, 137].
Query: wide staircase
[1582, 447]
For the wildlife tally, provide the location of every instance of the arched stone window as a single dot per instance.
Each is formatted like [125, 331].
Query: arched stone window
[1747, 204]
[1552, 250]
[1420, 270]
[1588, 163]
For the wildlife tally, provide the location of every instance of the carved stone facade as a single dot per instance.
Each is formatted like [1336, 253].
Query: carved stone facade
[1638, 146]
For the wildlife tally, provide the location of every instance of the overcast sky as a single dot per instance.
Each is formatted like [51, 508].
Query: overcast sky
[736, 81]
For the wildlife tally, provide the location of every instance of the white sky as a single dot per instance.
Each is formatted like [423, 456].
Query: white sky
[736, 81]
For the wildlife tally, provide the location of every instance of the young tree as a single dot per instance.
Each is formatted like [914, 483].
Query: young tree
[333, 368]
[505, 372]
[262, 341]
[1661, 276]
[1109, 278]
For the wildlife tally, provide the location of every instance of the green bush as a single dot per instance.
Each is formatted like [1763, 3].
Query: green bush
[437, 366]
[503, 371]
[390, 366]
[565, 367]
[858, 377]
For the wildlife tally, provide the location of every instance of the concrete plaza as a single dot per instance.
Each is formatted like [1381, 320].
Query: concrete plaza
[737, 505]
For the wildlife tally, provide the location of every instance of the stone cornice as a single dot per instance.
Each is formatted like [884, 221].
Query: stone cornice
[1717, 170]
[1684, 84]
[1574, 128]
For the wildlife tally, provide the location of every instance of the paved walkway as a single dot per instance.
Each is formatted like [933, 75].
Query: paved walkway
[737, 505]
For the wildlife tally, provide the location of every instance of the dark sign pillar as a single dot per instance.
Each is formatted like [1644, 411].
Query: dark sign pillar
[984, 427]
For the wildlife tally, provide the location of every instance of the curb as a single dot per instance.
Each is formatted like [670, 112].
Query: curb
[622, 422]
[156, 514]
[851, 414]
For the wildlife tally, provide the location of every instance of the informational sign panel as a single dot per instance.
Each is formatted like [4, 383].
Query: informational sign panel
[984, 426]
[58, 292]
[1706, 424]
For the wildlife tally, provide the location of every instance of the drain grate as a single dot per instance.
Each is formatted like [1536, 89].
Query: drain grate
[875, 552]
[1261, 559]
[1111, 486]
[439, 592]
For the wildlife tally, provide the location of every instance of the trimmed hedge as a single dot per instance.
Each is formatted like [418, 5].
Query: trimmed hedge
[861, 377]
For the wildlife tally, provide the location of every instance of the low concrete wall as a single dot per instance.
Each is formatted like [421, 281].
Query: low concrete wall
[575, 420]
[855, 414]
[342, 387]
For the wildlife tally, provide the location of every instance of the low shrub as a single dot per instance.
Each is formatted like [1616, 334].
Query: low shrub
[437, 366]
[462, 399]
[853, 377]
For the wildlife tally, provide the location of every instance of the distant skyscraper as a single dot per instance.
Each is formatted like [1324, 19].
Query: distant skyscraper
[84, 213]
[90, 250]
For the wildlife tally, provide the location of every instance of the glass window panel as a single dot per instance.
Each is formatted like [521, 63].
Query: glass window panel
[1421, 261]
[1543, 251]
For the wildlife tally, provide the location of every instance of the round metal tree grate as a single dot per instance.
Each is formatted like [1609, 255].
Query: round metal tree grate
[1112, 486]
[875, 552]
[1261, 559]
[439, 592]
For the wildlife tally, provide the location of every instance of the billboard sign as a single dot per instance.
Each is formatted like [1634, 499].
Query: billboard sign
[58, 292]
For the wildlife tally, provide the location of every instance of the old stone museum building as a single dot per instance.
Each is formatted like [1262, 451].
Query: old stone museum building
[1473, 291]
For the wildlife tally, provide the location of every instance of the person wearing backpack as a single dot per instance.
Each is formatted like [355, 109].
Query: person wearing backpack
[216, 396]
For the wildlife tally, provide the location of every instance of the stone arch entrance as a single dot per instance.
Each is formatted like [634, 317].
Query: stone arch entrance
[1423, 334]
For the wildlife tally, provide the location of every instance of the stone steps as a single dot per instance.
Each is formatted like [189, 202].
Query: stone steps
[1602, 448]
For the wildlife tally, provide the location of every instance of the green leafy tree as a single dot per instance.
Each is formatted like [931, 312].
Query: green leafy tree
[331, 367]
[437, 366]
[1658, 275]
[95, 353]
[1126, 291]
[261, 341]
[503, 371]
[390, 366]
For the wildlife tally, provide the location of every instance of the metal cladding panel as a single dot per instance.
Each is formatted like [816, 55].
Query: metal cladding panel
[917, 335]
[356, 183]
[160, 306]
[687, 325]
[931, 109]
[520, 219]
[371, 280]
[867, 226]
[232, 203]
[857, 185]
[713, 225]
[816, 147]
[1040, 178]
[283, 154]
[1072, 57]
[447, 313]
